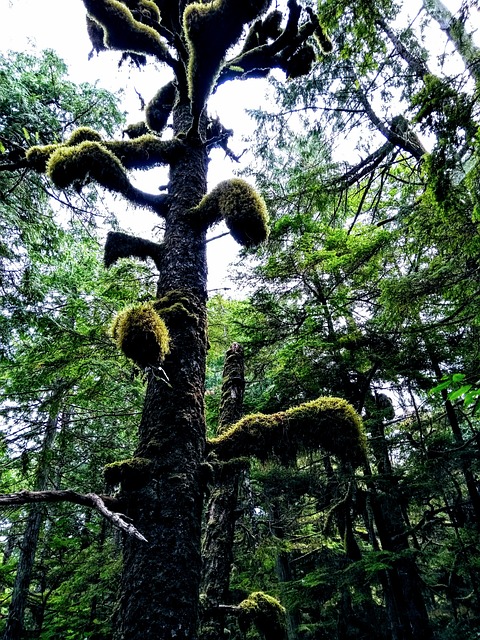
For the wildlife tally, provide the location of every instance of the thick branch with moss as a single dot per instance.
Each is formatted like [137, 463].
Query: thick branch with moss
[330, 424]
[242, 208]
[121, 245]
[124, 33]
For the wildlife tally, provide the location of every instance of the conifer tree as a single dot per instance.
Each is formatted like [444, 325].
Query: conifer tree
[161, 487]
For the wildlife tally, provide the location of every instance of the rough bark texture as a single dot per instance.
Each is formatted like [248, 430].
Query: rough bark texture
[28, 546]
[222, 506]
[160, 581]
[406, 607]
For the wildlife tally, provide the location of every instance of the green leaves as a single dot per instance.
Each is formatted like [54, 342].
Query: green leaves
[459, 389]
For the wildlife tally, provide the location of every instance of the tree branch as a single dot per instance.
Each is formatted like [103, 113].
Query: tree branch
[121, 245]
[92, 500]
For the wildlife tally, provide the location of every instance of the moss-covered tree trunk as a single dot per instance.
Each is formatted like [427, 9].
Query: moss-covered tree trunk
[160, 582]
[161, 487]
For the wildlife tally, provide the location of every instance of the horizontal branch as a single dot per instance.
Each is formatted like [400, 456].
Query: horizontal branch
[92, 500]
[121, 245]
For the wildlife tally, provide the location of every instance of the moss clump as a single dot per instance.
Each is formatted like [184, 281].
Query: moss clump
[242, 208]
[142, 335]
[136, 130]
[68, 165]
[263, 31]
[211, 29]
[131, 474]
[177, 306]
[143, 152]
[149, 11]
[83, 134]
[300, 63]
[122, 31]
[266, 613]
[160, 107]
[330, 424]
[39, 156]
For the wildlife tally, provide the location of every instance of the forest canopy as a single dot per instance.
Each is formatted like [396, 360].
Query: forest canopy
[295, 458]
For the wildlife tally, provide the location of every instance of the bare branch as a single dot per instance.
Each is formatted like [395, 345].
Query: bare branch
[92, 500]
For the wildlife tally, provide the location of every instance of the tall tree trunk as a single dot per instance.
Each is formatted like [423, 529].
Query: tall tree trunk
[162, 485]
[222, 506]
[470, 480]
[456, 33]
[28, 546]
[407, 610]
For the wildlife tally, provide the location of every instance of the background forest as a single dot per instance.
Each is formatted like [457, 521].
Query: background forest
[367, 289]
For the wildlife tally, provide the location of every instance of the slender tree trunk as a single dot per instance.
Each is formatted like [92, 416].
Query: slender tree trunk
[407, 610]
[222, 506]
[28, 546]
[160, 581]
[470, 480]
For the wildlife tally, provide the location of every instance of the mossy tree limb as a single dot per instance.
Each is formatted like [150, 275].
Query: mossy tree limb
[121, 245]
[330, 424]
[123, 32]
[242, 208]
[262, 611]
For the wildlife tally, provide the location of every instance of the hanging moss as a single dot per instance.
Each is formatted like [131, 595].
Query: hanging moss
[211, 29]
[242, 208]
[271, 26]
[141, 334]
[121, 245]
[131, 474]
[265, 613]
[68, 165]
[330, 424]
[136, 130]
[122, 31]
[160, 107]
[144, 152]
[264, 30]
[96, 34]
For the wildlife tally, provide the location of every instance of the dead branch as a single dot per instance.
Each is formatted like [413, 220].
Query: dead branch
[92, 500]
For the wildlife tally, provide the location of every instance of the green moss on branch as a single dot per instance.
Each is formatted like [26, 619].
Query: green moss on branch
[211, 29]
[142, 335]
[330, 424]
[242, 208]
[68, 165]
[160, 107]
[123, 32]
[144, 151]
[131, 474]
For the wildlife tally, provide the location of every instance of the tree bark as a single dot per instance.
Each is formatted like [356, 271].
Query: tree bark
[160, 580]
[222, 506]
[28, 547]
